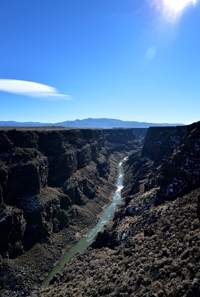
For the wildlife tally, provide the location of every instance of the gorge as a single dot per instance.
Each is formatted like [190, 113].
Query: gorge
[88, 237]
[54, 184]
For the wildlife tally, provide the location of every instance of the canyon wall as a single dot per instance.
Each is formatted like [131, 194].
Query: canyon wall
[43, 175]
[54, 183]
[177, 151]
[151, 247]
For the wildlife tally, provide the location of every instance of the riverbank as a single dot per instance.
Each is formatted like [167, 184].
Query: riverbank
[35, 264]
[151, 248]
[89, 236]
[162, 261]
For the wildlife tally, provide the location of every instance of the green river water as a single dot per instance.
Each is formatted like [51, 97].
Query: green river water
[89, 237]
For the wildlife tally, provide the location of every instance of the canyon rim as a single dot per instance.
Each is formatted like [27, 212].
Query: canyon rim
[55, 182]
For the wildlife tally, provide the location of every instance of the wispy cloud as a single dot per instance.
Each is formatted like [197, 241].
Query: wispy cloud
[31, 89]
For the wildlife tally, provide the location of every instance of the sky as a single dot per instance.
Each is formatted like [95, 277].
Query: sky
[134, 60]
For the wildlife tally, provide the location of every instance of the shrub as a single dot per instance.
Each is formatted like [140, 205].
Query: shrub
[62, 218]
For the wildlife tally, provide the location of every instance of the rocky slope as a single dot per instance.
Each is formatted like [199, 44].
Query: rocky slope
[152, 246]
[53, 185]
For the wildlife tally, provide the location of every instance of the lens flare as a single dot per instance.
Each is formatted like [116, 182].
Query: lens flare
[177, 5]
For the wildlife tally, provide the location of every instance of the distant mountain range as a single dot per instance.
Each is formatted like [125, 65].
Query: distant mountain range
[88, 123]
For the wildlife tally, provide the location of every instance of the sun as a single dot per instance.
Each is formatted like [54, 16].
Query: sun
[177, 5]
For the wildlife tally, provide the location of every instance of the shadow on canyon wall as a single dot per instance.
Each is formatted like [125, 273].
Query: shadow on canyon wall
[151, 247]
[53, 185]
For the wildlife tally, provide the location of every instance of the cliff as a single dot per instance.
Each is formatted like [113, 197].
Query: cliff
[53, 185]
[151, 247]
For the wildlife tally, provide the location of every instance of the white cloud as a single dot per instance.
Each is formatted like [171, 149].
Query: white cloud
[32, 89]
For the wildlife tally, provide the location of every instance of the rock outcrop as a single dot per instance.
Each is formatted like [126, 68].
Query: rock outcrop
[152, 245]
[53, 185]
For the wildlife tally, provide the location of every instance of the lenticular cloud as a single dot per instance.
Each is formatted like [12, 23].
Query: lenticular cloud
[31, 89]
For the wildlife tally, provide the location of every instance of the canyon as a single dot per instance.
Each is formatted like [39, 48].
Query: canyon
[54, 184]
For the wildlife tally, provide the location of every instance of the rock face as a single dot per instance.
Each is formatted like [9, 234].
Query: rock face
[161, 142]
[54, 181]
[152, 245]
[33, 163]
[179, 170]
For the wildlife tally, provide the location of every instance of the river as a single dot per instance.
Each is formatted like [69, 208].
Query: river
[89, 237]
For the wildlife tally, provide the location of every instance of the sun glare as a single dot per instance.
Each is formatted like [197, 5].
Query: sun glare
[177, 5]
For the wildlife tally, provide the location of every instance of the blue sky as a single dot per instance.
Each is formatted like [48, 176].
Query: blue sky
[136, 60]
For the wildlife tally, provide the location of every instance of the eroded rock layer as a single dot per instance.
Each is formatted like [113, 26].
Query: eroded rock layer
[151, 248]
[53, 185]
